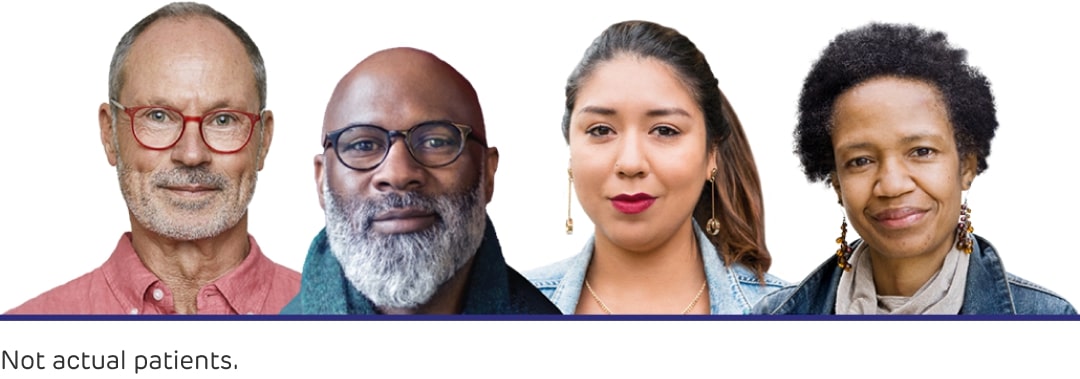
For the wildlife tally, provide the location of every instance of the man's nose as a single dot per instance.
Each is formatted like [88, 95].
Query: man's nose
[190, 149]
[399, 171]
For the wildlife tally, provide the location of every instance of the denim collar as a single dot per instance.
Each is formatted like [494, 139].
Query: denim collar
[726, 292]
[987, 288]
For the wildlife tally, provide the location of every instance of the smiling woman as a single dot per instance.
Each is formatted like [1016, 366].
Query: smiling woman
[899, 124]
[653, 144]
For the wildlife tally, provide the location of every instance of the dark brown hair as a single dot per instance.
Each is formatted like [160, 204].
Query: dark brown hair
[739, 206]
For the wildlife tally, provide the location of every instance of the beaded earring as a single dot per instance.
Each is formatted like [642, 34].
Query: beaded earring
[964, 240]
[844, 252]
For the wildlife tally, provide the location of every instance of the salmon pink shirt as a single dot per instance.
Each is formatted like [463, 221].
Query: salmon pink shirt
[123, 285]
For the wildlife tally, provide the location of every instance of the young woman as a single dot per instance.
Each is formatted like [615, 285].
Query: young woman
[660, 164]
[899, 124]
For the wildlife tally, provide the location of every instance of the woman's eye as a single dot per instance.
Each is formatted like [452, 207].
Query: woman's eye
[859, 162]
[922, 152]
[665, 130]
[599, 131]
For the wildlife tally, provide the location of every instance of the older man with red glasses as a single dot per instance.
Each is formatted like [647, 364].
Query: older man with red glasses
[187, 129]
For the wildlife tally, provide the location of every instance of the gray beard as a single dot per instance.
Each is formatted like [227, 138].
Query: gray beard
[403, 271]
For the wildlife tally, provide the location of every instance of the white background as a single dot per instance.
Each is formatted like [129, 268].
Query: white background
[519, 349]
[61, 210]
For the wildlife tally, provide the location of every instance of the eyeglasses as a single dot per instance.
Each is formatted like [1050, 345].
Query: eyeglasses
[433, 144]
[159, 127]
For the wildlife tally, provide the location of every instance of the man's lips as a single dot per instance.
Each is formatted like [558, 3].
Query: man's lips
[895, 218]
[190, 188]
[402, 213]
[632, 204]
[403, 220]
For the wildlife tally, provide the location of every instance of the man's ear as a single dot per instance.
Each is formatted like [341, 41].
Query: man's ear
[491, 163]
[105, 120]
[267, 137]
[969, 166]
[320, 176]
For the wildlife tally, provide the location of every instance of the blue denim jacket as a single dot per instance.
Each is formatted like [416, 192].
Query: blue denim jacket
[989, 290]
[732, 289]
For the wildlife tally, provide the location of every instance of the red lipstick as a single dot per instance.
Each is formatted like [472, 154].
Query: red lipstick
[632, 204]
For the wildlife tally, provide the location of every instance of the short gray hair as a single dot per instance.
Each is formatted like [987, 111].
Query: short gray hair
[184, 10]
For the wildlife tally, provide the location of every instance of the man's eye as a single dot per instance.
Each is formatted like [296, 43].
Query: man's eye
[224, 119]
[157, 115]
[436, 143]
[361, 146]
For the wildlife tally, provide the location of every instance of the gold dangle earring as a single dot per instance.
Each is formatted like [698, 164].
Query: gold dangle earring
[713, 225]
[569, 187]
[964, 240]
[843, 253]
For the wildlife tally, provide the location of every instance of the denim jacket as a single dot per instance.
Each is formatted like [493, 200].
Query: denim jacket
[732, 289]
[989, 290]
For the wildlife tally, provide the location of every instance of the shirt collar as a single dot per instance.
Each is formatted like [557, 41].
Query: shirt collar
[243, 287]
[126, 276]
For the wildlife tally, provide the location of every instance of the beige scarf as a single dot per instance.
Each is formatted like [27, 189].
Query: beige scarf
[942, 294]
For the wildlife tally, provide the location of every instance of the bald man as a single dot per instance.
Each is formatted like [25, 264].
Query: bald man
[404, 178]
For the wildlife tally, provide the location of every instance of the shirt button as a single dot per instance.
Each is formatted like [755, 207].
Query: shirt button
[134, 311]
[158, 294]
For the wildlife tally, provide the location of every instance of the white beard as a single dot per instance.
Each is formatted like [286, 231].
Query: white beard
[404, 271]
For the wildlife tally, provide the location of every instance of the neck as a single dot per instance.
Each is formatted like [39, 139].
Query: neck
[186, 266]
[448, 299]
[663, 279]
[905, 276]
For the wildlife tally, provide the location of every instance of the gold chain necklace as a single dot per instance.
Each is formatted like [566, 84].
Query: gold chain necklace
[608, 310]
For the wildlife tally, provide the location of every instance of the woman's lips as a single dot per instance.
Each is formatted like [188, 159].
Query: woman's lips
[632, 204]
[898, 218]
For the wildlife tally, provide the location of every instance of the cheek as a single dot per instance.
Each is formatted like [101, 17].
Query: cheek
[854, 191]
[590, 167]
[342, 180]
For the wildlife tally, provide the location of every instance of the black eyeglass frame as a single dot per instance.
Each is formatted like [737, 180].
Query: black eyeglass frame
[331, 140]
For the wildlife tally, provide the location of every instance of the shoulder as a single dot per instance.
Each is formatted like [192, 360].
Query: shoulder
[68, 298]
[747, 277]
[285, 277]
[753, 288]
[1031, 298]
[771, 302]
[525, 297]
[987, 275]
[815, 294]
[293, 307]
[547, 278]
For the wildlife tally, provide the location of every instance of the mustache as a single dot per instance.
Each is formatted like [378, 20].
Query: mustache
[199, 175]
[371, 207]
